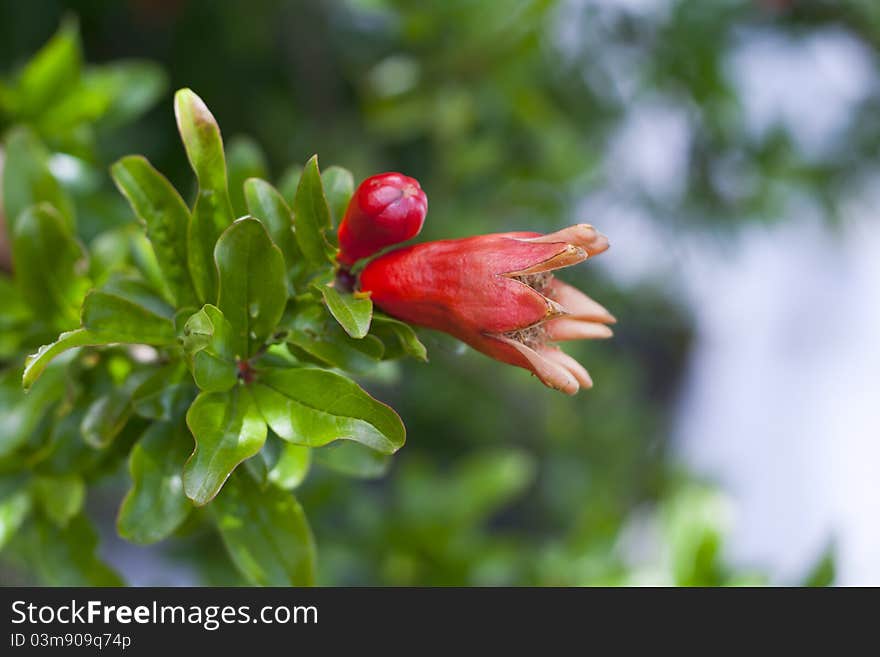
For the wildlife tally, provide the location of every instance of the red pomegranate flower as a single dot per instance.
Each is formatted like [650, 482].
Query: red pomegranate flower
[386, 209]
[497, 293]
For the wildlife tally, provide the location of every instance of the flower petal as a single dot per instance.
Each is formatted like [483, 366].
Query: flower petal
[574, 368]
[582, 235]
[551, 373]
[565, 328]
[578, 304]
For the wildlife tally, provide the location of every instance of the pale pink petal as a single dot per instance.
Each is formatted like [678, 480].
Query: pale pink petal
[582, 235]
[566, 328]
[550, 372]
[575, 368]
[578, 304]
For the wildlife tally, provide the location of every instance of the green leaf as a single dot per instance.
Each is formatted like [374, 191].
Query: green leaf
[156, 505]
[163, 394]
[228, 428]
[339, 188]
[266, 204]
[253, 289]
[165, 216]
[314, 336]
[245, 160]
[266, 534]
[289, 181]
[27, 180]
[399, 338]
[292, 466]
[121, 320]
[48, 266]
[14, 508]
[211, 340]
[353, 460]
[312, 216]
[52, 72]
[61, 497]
[66, 556]
[314, 407]
[213, 211]
[23, 413]
[105, 418]
[130, 86]
[35, 364]
[353, 313]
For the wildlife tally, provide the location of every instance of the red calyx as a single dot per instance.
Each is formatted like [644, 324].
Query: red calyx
[386, 209]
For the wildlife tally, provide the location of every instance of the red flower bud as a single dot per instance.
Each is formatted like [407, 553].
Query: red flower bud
[497, 294]
[386, 209]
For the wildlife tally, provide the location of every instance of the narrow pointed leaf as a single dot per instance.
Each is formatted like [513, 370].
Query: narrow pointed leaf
[314, 407]
[213, 211]
[339, 188]
[266, 204]
[156, 505]
[52, 72]
[165, 216]
[105, 418]
[14, 507]
[253, 287]
[228, 428]
[312, 216]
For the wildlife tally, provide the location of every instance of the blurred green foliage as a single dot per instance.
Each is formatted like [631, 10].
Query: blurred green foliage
[504, 111]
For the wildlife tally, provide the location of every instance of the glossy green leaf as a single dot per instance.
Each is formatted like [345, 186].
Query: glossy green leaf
[399, 338]
[105, 418]
[314, 336]
[36, 363]
[121, 320]
[156, 505]
[27, 180]
[22, 413]
[353, 313]
[211, 340]
[292, 466]
[14, 507]
[52, 72]
[339, 188]
[61, 497]
[49, 266]
[165, 216]
[289, 181]
[164, 394]
[353, 460]
[213, 211]
[266, 534]
[266, 204]
[314, 407]
[312, 216]
[253, 287]
[228, 428]
[135, 289]
[66, 556]
[131, 87]
[245, 160]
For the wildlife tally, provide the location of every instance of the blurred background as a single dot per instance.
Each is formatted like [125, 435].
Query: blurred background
[730, 152]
